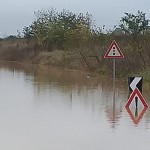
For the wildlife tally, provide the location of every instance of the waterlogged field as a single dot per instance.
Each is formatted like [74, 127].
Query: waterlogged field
[52, 109]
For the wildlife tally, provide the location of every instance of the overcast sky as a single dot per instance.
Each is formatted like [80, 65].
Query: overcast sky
[15, 14]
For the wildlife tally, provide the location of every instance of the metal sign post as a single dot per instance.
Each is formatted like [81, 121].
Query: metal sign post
[114, 74]
[114, 69]
[114, 52]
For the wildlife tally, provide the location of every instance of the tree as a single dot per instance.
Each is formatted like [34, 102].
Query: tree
[134, 24]
[54, 29]
[27, 32]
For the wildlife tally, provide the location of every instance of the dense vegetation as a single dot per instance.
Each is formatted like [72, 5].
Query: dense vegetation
[60, 30]
[79, 39]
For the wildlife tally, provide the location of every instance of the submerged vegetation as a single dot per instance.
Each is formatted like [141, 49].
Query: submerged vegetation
[72, 40]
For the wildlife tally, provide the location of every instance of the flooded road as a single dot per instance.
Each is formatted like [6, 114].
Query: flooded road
[45, 108]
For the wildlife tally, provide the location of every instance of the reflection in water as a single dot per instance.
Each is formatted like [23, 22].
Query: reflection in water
[133, 104]
[114, 108]
[114, 111]
[137, 115]
[136, 112]
[43, 107]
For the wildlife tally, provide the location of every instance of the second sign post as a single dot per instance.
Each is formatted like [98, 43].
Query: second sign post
[114, 53]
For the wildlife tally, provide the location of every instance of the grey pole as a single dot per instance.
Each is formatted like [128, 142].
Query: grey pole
[114, 73]
[114, 69]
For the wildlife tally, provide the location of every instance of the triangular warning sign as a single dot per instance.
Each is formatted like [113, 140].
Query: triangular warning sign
[114, 51]
[135, 116]
[136, 95]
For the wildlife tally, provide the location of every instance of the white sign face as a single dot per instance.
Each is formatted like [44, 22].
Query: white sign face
[114, 51]
[133, 103]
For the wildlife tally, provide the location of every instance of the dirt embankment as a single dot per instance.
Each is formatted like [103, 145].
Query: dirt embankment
[23, 51]
[87, 59]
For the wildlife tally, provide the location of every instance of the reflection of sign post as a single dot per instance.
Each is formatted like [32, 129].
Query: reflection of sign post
[136, 119]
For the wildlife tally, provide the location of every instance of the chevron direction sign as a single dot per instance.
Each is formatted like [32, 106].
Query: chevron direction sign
[135, 82]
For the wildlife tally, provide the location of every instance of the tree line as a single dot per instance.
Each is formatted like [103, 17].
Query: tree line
[76, 32]
[65, 29]
[60, 30]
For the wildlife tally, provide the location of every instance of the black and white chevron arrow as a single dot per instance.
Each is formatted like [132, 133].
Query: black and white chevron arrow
[135, 82]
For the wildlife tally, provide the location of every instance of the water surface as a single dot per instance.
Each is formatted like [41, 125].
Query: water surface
[47, 108]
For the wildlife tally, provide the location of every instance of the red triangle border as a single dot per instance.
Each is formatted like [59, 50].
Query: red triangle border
[109, 49]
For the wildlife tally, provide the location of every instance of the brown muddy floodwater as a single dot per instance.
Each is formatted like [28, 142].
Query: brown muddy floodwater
[45, 108]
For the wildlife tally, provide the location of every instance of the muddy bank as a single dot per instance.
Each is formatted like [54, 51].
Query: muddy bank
[24, 51]
[21, 50]
[56, 58]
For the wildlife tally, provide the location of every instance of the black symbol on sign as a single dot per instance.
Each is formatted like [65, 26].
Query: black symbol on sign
[113, 50]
